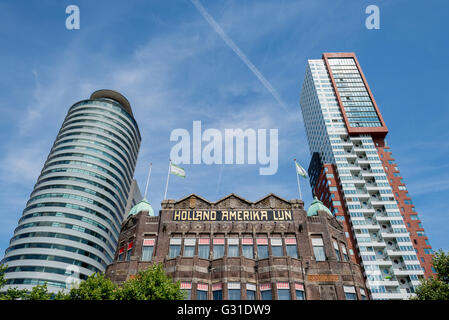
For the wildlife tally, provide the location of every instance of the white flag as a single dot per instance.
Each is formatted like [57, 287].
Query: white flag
[177, 170]
[300, 170]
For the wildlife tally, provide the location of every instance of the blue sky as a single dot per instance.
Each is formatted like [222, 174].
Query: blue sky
[174, 68]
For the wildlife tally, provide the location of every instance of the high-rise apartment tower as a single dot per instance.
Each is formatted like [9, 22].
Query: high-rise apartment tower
[353, 172]
[71, 223]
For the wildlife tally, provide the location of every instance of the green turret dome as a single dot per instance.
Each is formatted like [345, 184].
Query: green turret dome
[316, 206]
[143, 205]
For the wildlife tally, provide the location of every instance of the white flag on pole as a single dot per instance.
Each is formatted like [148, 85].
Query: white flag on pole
[177, 170]
[300, 170]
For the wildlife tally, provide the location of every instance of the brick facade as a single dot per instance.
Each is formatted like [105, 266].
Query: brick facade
[412, 222]
[279, 273]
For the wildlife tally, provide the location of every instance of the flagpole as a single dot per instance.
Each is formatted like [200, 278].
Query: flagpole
[148, 181]
[297, 179]
[168, 178]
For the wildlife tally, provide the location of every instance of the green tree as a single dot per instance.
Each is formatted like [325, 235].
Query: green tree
[440, 263]
[14, 294]
[10, 293]
[150, 284]
[39, 292]
[2, 276]
[436, 288]
[95, 287]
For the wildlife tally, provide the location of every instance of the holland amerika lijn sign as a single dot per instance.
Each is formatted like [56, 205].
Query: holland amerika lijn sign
[232, 215]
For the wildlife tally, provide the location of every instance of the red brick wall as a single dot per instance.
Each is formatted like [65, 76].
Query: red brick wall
[419, 242]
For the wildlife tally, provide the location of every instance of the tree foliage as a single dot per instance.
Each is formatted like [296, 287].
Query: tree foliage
[149, 284]
[436, 288]
[441, 264]
[95, 287]
[39, 292]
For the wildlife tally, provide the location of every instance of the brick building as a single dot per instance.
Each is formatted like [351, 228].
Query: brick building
[237, 249]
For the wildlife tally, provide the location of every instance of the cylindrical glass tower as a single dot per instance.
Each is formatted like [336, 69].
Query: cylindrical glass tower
[72, 220]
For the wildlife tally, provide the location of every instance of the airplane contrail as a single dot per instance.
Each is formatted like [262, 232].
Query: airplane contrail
[238, 52]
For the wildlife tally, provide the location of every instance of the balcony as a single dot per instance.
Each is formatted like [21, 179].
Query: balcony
[382, 261]
[355, 180]
[377, 242]
[371, 226]
[367, 173]
[354, 165]
[361, 194]
[350, 155]
[371, 186]
[402, 271]
[388, 235]
[397, 252]
[388, 282]
[390, 296]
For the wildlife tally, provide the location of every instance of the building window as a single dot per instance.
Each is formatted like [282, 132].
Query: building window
[248, 248]
[283, 291]
[265, 291]
[129, 252]
[276, 247]
[201, 291]
[345, 253]
[201, 295]
[262, 248]
[175, 248]
[363, 294]
[299, 291]
[318, 249]
[203, 248]
[233, 247]
[290, 246]
[189, 247]
[250, 291]
[217, 291]
[218, 294]
[120, 254]
[218, 248]
[187, 288]
[337, 250]
[234, 291]
[147, 249]
[350, 293]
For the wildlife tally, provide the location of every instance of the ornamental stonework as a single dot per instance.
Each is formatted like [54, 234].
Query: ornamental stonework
[261, 245]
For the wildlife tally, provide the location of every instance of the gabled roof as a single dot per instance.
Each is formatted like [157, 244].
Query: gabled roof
[192, 195]
[230, 196]
[272, 195]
